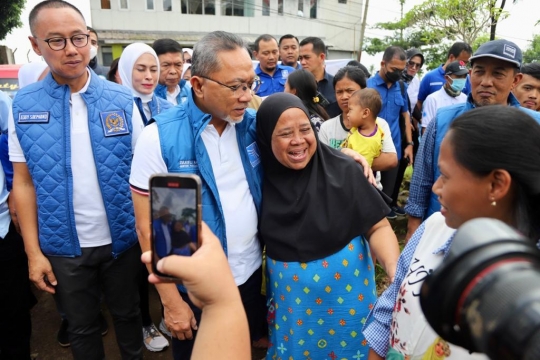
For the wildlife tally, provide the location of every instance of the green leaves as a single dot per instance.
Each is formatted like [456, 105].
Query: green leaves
[11, 14]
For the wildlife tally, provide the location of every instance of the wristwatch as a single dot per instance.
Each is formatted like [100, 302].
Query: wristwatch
[410, 143]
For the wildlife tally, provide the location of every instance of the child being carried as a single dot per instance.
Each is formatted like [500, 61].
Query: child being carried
[366, 135]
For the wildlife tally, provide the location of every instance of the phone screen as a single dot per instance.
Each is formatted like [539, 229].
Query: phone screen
[175, 215]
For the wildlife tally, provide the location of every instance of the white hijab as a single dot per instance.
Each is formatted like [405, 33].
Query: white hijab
[129, 57]
[30, 73]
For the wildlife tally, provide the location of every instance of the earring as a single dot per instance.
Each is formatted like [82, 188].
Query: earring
[493, 202]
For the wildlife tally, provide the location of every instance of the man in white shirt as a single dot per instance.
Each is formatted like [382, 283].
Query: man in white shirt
[70, 140]
[211, 135]
[450, 94]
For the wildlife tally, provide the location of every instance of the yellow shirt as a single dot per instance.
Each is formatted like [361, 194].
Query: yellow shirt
[368, 146]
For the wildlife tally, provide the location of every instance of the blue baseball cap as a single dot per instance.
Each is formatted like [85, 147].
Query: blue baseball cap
[499, 49]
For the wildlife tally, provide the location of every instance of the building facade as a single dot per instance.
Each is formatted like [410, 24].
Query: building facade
[122, 22]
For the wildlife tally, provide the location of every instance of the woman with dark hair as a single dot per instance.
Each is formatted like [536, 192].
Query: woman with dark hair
[113, 75]
[318, 215]
[474, 182]
[334, 131]
[302, 83]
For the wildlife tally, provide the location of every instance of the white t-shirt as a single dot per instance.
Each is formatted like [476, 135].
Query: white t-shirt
[244, 251]
[90, 216]
[437, 100]
[171, 97]
[332, 133]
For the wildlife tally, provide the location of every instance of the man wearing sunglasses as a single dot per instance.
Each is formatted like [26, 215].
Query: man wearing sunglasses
[70, 141]
[213, 136]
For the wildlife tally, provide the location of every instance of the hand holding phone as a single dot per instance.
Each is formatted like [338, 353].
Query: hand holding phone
[175, 216]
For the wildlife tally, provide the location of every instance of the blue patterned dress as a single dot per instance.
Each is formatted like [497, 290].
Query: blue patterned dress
[317, 309]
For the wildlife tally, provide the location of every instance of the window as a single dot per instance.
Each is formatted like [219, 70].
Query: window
[167, 5]
[313, 9]
[342, 1]
[201, 7]
[280, 7]
[124, 4]
[237, 8]
[266, 7]
[105, 4]
[301, 8]
[106, 55]
[150, 4]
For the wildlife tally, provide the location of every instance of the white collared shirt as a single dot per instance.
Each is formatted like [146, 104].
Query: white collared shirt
[90, 216]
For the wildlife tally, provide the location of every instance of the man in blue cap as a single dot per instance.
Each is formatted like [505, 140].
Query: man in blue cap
[495, 72]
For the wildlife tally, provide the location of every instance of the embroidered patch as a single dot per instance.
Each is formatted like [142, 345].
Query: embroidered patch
[510, 51]
[284, 74]
[188, 164]
[34, 117]
[114, 123]
[253, 154]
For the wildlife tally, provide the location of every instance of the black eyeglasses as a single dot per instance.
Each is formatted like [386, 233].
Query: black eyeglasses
[59, 43]
[241, 89]
[415, 64]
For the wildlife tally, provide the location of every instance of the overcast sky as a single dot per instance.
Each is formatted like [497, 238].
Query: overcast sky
[518, 27]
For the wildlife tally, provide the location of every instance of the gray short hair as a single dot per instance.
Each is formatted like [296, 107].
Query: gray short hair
[204, 60]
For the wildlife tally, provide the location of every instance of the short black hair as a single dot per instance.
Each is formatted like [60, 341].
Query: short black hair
[368, 98]
[458, 47]
[91, 29]
[49, 4]
[263, 37]
[359, 65]
[394, 52]
[351, 72]
[532, 69]
[112, 70]
[164, 46]
[287, 36]
[318, 44]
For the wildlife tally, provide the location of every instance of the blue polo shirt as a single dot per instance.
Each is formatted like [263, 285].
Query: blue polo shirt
[434, 80]
[393, 104]
[275, 83]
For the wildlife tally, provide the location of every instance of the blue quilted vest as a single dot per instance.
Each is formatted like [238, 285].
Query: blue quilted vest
[156, 105]
[42, 120]
[444, 118]
[185, 90]
[183, 151]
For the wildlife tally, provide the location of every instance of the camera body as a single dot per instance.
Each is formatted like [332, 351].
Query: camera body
[485, 296]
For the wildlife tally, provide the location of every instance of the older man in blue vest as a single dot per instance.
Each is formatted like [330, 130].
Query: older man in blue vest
[70, 141]
[212, 135]
[495, 72]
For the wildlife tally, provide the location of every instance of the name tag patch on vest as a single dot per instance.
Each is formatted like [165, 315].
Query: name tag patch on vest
[188, 164]
[114, 123]
[253, 154]
[37, 117]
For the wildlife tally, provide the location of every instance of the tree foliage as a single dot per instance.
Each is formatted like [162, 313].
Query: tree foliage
[532, 53]
[435, 24]
[11, 16]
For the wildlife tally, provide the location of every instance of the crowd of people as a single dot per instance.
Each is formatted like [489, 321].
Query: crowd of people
[300, 172]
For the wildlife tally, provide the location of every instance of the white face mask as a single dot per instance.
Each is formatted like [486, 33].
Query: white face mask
[93, 51]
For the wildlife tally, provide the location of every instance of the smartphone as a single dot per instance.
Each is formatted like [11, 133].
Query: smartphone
[175, 213]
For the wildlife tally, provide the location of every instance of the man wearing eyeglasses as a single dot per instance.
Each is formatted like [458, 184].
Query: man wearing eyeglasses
[211, 135]
[70, 141]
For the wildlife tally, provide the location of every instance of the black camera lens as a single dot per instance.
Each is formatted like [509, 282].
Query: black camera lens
[487, 299]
